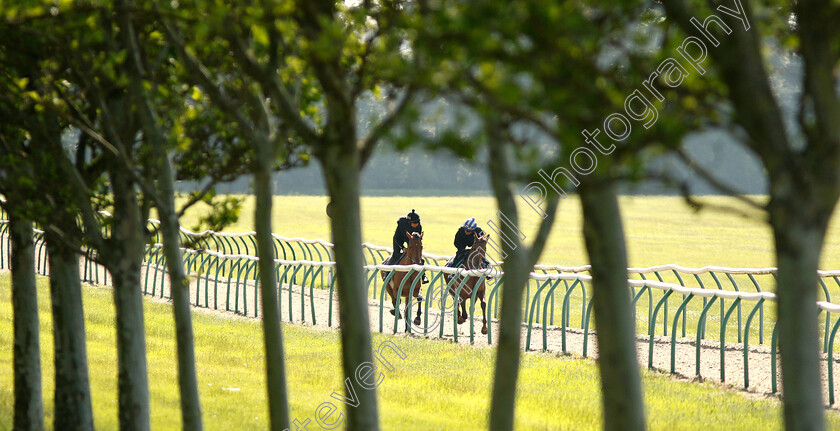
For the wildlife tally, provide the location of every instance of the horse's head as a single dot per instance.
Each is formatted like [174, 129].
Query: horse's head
[415, 247]
[479, 249]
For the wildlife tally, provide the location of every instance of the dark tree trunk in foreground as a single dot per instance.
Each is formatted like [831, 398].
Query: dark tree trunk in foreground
[506, 372]
[799, 240]
[124, 258]
[341, 171]
[29, 408]
[517, 265]
[621, 391]
[278, 402]
[72, 388]
[516, 270]
[804, 171]
[187, 379]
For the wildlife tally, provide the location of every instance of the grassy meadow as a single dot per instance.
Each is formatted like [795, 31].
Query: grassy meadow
[659, 229]
[438, 386]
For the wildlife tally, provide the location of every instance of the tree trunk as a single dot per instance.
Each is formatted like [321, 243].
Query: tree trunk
[278, 403]
[799, 241]
[29, 409]
[341, 171]
[124, 257]
[517, 265]
[516, 270]
[179, 284]
[169, 225]
[506, 373]
[620, 379]
[72, 387]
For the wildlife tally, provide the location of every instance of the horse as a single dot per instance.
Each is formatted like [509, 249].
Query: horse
[411, 289]
[474, 260]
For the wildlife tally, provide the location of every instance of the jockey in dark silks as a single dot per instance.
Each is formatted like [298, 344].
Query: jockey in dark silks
[405, 225]
[464, 238]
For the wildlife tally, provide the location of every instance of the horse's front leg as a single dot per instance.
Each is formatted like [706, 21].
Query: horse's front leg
[463, 315]
[407, 313]
[394, 311]
[483, 315]
[419, 303]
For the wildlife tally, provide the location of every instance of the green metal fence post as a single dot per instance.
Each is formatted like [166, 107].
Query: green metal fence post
[747, 343]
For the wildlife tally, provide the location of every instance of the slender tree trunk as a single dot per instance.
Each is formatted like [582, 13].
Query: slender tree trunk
[506, 373]
[620, 379]
[72, 387]
[341, 171]
[516, 270]
[29, 409]
[799, 242]
[517, 265]
[187, 380]
[278, 402]
[124, 257]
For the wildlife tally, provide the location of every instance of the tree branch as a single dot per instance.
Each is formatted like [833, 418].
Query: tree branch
[713, 181]
[275, 89]
[742, 69]
[367, 145]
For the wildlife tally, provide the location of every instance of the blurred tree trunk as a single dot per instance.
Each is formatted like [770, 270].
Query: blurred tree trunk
[29, 408]
[259, 129]
[621, 388]
[799, 235]
[506, 372]
[180, 287]
[803, 168]
[518, 262]
[278, 402]
[124, 256]
[170, 229]
[342, 172]
[72, 387]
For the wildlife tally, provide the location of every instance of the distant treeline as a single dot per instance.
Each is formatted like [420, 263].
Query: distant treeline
[418, 172]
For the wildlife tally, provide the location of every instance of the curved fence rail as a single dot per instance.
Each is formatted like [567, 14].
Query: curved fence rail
[726, 308]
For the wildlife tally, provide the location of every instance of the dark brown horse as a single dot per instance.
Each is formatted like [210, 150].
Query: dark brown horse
[411, 289]
[475, 260]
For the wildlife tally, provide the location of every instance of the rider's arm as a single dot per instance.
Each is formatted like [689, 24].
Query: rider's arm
[460, 243]
[399, 235]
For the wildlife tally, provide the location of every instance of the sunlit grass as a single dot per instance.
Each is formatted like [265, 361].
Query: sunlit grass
[438, 386]
[659, 229]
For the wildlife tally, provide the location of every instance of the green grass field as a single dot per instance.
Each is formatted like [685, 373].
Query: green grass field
[659, 230]
[439, 385]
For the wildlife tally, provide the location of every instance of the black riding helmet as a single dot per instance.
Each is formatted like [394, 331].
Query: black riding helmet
[413, 217]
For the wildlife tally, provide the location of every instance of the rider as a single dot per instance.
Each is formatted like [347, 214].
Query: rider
[405, 225]
[464, 238]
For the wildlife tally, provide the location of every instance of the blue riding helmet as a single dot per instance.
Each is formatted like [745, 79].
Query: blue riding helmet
[470, 225]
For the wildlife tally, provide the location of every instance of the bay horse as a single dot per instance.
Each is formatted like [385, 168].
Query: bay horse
[411, 289]
[475, 260]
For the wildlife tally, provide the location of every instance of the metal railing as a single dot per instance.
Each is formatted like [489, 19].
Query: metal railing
[557, 300]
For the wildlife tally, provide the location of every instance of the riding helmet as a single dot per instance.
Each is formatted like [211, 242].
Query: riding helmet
[413, 217]
[470, 224]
